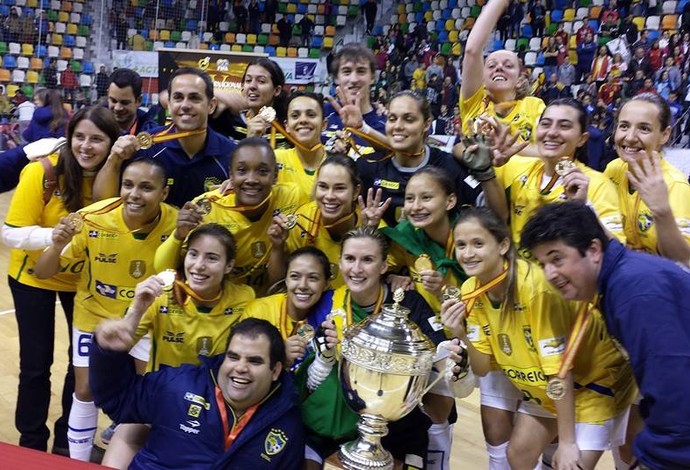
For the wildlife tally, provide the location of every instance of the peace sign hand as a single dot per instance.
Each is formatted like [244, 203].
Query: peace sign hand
[373, 209]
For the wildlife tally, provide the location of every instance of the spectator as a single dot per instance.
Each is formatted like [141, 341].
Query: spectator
[685, 19]
[654, 54]
[639, 8]
[306, 28]
[254, 17]
[552, 89]
[664, 41]
[410, 64]
[618, 66]
[636, 83]
[101, 81]
[608, 91]
[436, 68]
[50, 75]
[550, 53]
[647, 87]
[663, 85]
[194, 42]
[13, 26]
[49, 118]
[124, 99]
[284, 31]
[639, 62]
[629, 30]
[370, 9]
[29, 28]
[449, 93]
[643, 42]
[585, 57]
[538, 18]
[610, 13]
[444, 123]
[582, 32]
[516, 14]
[608, 29]
[674, 75]
[42, 27]
[121, 31]
[240, 12]
[566, 75]
[270, 9]
[69, 84]
[433, 94]
[24, 110]
[503, 25]
[675, 107]
[560, 33]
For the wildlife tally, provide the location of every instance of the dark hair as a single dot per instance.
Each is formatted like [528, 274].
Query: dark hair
[353, 52]
[424, 106]
[656, 100]
[256, 142]
[581, 153]
[277, 78]
[442, 179]
[71, 186]
[571, 222]
[498, 229]
[314, 252]
[346, 162]
[306, 94]
[193, 71]
[255, 327]
[122, 78]
[53, 98]
[367, 232]
[153, 162]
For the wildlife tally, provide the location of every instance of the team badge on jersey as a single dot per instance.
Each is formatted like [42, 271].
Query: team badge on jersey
[194, 411]
[137, 268]
[504, 341]
[527, 333]
[258, 249]
[275, 442]
[204, 345]
[644, 222]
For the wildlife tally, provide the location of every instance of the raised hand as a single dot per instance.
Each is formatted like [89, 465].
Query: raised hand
[576, 184]
[646, 176]
[453, 317]
[188, 219]
[373, 209]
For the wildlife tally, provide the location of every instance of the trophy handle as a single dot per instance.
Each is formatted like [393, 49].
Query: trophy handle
[447, 370]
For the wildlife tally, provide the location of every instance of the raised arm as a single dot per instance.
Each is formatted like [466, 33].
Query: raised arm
[473, 63]
[48, 264]
[107, 182]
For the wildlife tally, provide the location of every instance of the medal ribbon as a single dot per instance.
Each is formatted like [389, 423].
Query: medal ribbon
[104, 210]
[278, 127]
[577, 332]
[471, 297]
[188, 290]
[167, 134]
[240, 423]
[312, 231]
[550, 185]
[213, 199]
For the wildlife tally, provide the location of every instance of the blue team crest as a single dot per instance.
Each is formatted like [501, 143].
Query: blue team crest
[275, 442]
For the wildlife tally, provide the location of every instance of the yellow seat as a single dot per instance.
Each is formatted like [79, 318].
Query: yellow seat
[165, 35]
[328, 43]
[251, 39]
[669, 22]
[450, 24]
[203, 45]
[12, 89]
[57, 39]
[401, 8]
[32, 3]
[65, 53]
[456, 50]
[639, 22]
[573, 56]
[572, 42]
[236, 48]
[27, 49]
[281, 51]
[569, 14]
[428, 15]
[72, 29]
[32, 76]
[292, 8]
[63, 17]
[453, 35]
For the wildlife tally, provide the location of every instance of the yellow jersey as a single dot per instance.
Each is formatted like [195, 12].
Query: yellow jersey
[182, 333]
[528, 343]
[291, 170]
[26, 209]
[251, 237]
[523, 178]
[638, 222]
[273, 309]
[522, 119]
[115, 261]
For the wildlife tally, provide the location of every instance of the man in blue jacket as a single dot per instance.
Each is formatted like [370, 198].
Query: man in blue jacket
[234, 411]
[644, 300]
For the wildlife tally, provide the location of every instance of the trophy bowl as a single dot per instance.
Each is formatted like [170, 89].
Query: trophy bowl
[383, 372]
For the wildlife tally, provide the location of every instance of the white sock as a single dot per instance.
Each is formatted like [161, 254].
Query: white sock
[440, 442]
[498, 458]
[547, 455]
[82, 424]
[618, 461]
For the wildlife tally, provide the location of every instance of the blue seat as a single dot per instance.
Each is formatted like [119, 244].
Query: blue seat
[562, 4]
[69, 41]
[452, 3]
[654, 34]
[302, 8]
[317, 41]
[443, 36]
[594, 24]
[88, 68]
[446, 13]
[45, 4]
[270, 50]
[145, 99]
[681, 5]
[378, 30]
[4, 10]
[145, 33]
[171, 45]
[498, 45]
[540, 59]
[192, 25]
[213, 47]
[9, 62]
[41, 51]
[86, 19]
[419, 16]
[526, 31]
[556, 16]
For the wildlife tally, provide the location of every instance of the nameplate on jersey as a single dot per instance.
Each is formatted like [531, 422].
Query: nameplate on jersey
[471, 181]
[392, 185]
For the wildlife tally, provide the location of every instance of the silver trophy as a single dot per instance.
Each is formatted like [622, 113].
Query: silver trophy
[383, 372]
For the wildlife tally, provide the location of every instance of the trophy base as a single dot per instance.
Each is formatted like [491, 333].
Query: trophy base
[358, 455]
[334, 463]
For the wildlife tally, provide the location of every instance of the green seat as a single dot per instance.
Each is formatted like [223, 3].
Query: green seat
[297, 30]
[52, 15]
[75, 65]
[446, 48]
[551, 29]
[405, 27]
[262, 39]
[417, 7]
[604, 40]
[247, 48]
[353, 11]
[84, 31]
[314, 53]
[585, 3]
[370, 42]
[282, 7]
[149, 46]
[475, 10]
[3, 48]
[522, 42]
[28, 91]
[176, 36]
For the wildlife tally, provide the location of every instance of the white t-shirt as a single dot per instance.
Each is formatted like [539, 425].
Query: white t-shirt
[25, 111]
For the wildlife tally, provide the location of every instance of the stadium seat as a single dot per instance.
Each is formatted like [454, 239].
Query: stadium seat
[510, 44]
[65, 53]
[53, 52]
[669, 7]
[77, 7]
[63, 17]
[78, 53]
[303, 52]
[81, 42]
[15, 48]
[55, 5]
[530, 58]
[169, 45]
[328, 43]
[164, 35]
[292, 52]
[5, 75]
[9, 62]
[27, 49]
[56, 39]
[75, 18]
[32, 3]
[36, 64]
[180, 45]
[88, 68]
[535, 44]
[669, 22]
[69, 41]
[248, 48]
[314, 53]
[270, 50]
[84, 30]
[60, 28]
[594, 12]
[3, 48]
[229, 38]
[527, 31]
[23, 62]
[241, 38]
[186, 36]
[236, 48]
[652, 23]
[32, 76]
[175, 36]
[72, 29]
[18, 76]
[556, 16]
[224, 47]
[569, 14]
[62, 65]
[84, 81]
[582, 13]
[158, 45]
[75, 65]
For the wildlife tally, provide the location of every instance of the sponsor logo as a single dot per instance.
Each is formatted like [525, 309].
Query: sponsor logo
[552, 346]
[106, 290]
[381, 183]
[194, 411]
[137, 268]
[473, 332]
[98, 234]
[189, 429]
[486, 329]
[644, 222]
[504, 341]
[228, 311]
[106, 258]
[527, 333]
[163, 309]
[198, 399]
[529, 376]
[518, 210]
[275, 442]
[172, 337]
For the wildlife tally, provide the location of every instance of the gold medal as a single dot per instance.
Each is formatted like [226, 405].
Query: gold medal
[168, 277]
[555, 389]
[291, 221]
[145, 140]
[450, 292]
[423, 263]
[76, 221]
[268, 114]
[564, 166]
[203, 206]
[306, 332]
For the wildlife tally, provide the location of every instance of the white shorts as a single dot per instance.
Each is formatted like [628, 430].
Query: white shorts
[81, 346]
[496, 391]
[594, 437]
